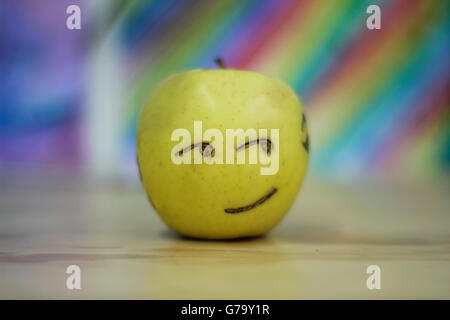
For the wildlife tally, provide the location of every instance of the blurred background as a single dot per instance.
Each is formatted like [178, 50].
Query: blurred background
[378, 109]
[377, 101]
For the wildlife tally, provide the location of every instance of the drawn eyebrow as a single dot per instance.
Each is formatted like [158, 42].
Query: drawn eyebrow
[306, 142]
[203, 145]
[256, 141]
[253, 205]
[303, 121]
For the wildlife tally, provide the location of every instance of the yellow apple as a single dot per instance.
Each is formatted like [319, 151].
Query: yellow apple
[222, 200]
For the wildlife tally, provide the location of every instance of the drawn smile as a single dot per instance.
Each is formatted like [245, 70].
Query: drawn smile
[254, 204]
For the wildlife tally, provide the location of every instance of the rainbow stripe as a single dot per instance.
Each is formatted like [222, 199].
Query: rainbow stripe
[377, 100]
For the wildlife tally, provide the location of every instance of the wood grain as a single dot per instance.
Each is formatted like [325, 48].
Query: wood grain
[320, 250]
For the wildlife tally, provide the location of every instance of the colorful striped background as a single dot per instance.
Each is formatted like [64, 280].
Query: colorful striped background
[377, 101]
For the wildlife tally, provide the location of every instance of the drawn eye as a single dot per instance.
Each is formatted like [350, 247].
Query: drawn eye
[305, 142]
[205, 148]
[265, 144]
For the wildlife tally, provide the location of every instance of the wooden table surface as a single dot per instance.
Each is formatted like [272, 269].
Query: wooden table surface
[320, 250]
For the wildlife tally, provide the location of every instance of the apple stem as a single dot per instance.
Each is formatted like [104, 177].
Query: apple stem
[220, 63]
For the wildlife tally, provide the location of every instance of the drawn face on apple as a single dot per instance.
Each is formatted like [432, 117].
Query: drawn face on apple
[211, 182]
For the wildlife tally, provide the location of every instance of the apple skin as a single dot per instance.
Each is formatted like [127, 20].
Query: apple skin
[191, 198]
